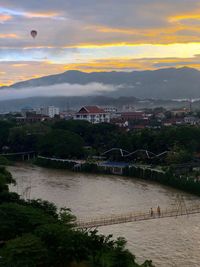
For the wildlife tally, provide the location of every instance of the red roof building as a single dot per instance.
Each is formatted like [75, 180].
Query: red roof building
[92, 114]
[91, 110]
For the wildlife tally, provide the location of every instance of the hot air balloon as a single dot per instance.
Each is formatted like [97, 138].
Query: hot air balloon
[33, 33]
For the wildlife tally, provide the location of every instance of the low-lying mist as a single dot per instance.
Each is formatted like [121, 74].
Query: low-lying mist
[57, 90]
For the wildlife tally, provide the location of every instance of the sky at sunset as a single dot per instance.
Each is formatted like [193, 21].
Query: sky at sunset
[91, 35]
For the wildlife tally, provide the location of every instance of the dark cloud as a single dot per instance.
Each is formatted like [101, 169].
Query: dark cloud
[70, 26]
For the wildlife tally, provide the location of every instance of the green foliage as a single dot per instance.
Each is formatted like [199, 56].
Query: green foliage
[6, 196]
[182, 182]
[3, 184]
[44, 205]
[5, 179]
[61, 144]
[27, 137]
[21, 219]
[5, 127]
[66, 139]
[66, 217]
[64, 245]
[6, 174]
[27, 250]
[21, 140]
[3, 161]
[178, 155]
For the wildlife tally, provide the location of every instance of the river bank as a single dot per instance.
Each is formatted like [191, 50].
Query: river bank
[168, 177]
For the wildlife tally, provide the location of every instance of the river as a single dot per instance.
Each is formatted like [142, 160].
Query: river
[169, 242]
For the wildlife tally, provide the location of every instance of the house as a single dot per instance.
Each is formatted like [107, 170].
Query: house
[191, 120]
[92, 114]
[173, 121]
[114, 167]
[137, 115]
[110, 109]
[119, 122]
[67, 115]
[31, 118]
[180, 112]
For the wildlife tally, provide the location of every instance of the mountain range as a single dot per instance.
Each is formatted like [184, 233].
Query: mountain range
[169, 83]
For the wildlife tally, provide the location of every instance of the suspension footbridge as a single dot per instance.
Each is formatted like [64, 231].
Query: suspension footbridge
[179, 209]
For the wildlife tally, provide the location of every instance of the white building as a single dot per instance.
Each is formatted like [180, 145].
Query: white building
[128, 108]
[92, 114]
[191, 120]
[50, 111]
[110, 109]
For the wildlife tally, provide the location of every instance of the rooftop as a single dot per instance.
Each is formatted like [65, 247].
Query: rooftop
[114, 164]
[91, 109]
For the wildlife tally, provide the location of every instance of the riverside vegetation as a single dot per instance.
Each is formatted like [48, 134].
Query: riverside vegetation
[82, 140]
[35, 234]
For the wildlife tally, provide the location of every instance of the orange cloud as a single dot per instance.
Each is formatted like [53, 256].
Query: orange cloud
[41, 15]
[21, 65]
[171, 33]
[185, 16]
[133, 64]
[9, 36]
[4, 17]
[22, 71]
[105, 29]
[40, 47]
[109, 65]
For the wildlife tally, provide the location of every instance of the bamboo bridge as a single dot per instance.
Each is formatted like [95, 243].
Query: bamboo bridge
[180, 210]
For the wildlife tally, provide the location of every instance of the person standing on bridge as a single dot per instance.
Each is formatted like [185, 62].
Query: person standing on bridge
[158, 211]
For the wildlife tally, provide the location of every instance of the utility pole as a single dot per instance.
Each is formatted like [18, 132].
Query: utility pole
[190, 105]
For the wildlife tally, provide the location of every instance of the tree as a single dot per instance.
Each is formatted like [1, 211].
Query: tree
[3, 161]
[62, 144]
[5, 179]
[178, 155]
[64, 245]
[21, 140]
[27, 250]
[4, 133]
[17, 219]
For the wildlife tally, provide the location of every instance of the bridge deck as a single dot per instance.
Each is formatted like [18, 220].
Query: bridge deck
[135, 217]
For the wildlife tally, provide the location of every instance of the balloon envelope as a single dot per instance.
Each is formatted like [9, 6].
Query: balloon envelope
[33, 33]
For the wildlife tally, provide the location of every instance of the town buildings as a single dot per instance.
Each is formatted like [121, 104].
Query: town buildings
[127, 118]
[50, 111]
